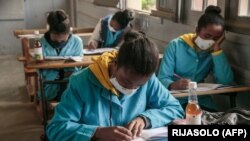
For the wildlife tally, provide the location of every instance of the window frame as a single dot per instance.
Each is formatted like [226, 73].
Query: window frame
[191, 17]
[235, 23]
[173, 13]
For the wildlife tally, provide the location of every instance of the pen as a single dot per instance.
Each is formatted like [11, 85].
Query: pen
[178, 76]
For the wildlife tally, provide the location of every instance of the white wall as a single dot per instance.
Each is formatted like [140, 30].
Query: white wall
[162, 31]
[11, 18]
[36, 11]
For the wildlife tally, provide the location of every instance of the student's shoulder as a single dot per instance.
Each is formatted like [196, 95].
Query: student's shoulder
[80, 76]
[75, 38]
[177, 40]
[43, 40]
[153, 79]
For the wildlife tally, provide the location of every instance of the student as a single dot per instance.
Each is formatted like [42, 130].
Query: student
[110, 30]
[116, 97]
[193, 56]
[58, 41]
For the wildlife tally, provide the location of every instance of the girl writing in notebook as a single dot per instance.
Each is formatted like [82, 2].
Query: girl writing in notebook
[110, 30]
[116, 97]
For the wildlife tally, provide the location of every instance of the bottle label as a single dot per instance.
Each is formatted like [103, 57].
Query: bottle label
[193, 119]
[38, 53]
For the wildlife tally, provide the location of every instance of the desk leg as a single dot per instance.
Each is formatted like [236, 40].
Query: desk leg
[44, 104]
[233, 99]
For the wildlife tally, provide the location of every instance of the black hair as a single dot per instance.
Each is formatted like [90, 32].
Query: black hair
[138, 53]
[211, 16]
[58, 22]
[123, 17]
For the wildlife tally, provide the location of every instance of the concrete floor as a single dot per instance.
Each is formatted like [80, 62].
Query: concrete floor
[19, 120]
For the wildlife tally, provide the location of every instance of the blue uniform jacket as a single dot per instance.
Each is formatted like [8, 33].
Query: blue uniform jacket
[85, 105]
[74, 47]
[182, 59]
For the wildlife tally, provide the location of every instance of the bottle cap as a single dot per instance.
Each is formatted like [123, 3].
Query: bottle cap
[36, 32]
[192, 85]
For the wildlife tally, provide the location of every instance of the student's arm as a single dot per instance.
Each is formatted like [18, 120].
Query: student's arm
[222, 71]
[65, 123]
[93, 41]
[166, 69]
[162, 107]
[76, 50]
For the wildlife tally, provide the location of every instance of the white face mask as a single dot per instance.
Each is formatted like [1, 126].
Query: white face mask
[203, 44]
[111, 28]
[121, 88]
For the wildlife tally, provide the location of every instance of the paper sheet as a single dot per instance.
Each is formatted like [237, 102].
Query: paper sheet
[153, 134]
[204, 87]
[97, 51]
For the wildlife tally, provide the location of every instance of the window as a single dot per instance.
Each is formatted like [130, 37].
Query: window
[200, 5]
[168, 9]
[238, 16]
[141, 5]
[197, 5]
[194, 9]
[243, 8]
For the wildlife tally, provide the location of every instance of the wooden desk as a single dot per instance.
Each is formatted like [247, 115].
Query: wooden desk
[86, 61]
[217, 91]
[232, 92]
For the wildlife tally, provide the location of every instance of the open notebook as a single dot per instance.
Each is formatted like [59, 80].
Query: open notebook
[205, 87]
[154, 134]
[97, 51]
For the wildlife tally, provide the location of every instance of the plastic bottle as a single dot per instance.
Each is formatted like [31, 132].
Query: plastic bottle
[38, 51]
[193, 110]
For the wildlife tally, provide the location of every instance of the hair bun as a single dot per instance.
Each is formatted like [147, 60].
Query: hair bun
[211, 9]
[57, 17]
[61, 16]
[129, 14]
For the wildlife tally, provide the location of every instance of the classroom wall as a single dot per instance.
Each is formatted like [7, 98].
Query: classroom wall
[11, 17]
[236, 47]
[36, 11]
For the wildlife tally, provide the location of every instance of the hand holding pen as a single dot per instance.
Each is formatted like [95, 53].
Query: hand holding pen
[180, 84]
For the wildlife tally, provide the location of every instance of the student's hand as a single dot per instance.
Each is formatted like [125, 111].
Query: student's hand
[136, 126]
[116, 133]
[181, 84]
[216, 45]
[92, 45]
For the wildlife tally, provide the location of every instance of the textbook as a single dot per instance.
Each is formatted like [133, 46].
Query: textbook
[205, 87]
[71, 58]
[155, 134]
[97, 51]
